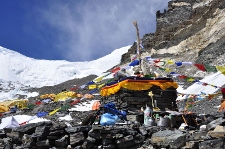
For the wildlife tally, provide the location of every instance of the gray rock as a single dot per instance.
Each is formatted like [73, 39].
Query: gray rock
[173, 139]
[76, 138]
[214, 123]
[62, 141]
[215, 144]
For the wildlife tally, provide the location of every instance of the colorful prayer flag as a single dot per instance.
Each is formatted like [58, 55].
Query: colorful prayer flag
[200, 67]
[221, 69]
[210, 68]
[54, 111]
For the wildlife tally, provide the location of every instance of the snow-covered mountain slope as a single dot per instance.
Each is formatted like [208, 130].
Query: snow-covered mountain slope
[31, 72]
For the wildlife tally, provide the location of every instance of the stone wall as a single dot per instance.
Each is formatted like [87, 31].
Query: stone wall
[48, 135]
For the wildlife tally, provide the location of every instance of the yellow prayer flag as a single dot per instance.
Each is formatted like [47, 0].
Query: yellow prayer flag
[53, 112]
[167, 70]
[170, 62]
[190, 80]
[92, 86]
[98, 79]
[221, 69]
[101, 85]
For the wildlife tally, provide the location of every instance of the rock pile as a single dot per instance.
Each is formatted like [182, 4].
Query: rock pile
[57, 135]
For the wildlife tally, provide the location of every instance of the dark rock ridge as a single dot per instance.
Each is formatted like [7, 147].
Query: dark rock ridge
[182, 20]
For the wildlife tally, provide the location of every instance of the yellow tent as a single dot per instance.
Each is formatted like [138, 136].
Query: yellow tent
[51, 96]
[64, 95]
[6, 105]
[3, 108]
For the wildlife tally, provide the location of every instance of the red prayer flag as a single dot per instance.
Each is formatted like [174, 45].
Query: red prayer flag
[38, 102]
[223, 90]
[115, 69]
[75, 102]
[74, 88]
[200, 67]
[182, 77]
[156, 61]
[22, 123]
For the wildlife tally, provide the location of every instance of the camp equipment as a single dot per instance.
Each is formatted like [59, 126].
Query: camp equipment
[8, 104]
[111, 108]
[147, 113]
[164, 122]
[151, 121]
[65, 95]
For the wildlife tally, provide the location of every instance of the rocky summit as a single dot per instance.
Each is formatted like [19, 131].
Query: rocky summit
[189, 30]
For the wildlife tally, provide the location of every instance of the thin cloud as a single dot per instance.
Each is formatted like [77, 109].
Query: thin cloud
[92, 29]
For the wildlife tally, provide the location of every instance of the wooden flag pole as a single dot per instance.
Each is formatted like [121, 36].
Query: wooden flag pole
[138, 43]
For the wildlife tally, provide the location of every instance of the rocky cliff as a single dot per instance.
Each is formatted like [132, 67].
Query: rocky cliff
[189, 30]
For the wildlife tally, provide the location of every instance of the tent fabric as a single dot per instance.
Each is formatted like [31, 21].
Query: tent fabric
[137, 85]
[96, 105]
[79, 95]
[13, 123]
[88, 96]
[10, 103]
[46, 96]
[3, 108]
[65, 95]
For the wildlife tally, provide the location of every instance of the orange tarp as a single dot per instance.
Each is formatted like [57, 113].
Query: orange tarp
[137, 85]
[96, 105]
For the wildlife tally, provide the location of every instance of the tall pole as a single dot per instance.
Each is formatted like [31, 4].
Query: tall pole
[138, 43]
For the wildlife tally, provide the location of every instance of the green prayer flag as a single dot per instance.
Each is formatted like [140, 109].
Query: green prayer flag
[160, 68]
[210, 68]
[65, 107]
[30, 106]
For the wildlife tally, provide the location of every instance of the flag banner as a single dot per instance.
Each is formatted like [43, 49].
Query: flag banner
[187, 63]
[54, 111]
[221, 69]
[90, 87]
[65, 107]
[134, 63]
[83, 86]
[98, 79]
[178, 63]
[91, 82]
[41, 114]
[170, 62]
[115, 69]
[200, 67]
[210, 68]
